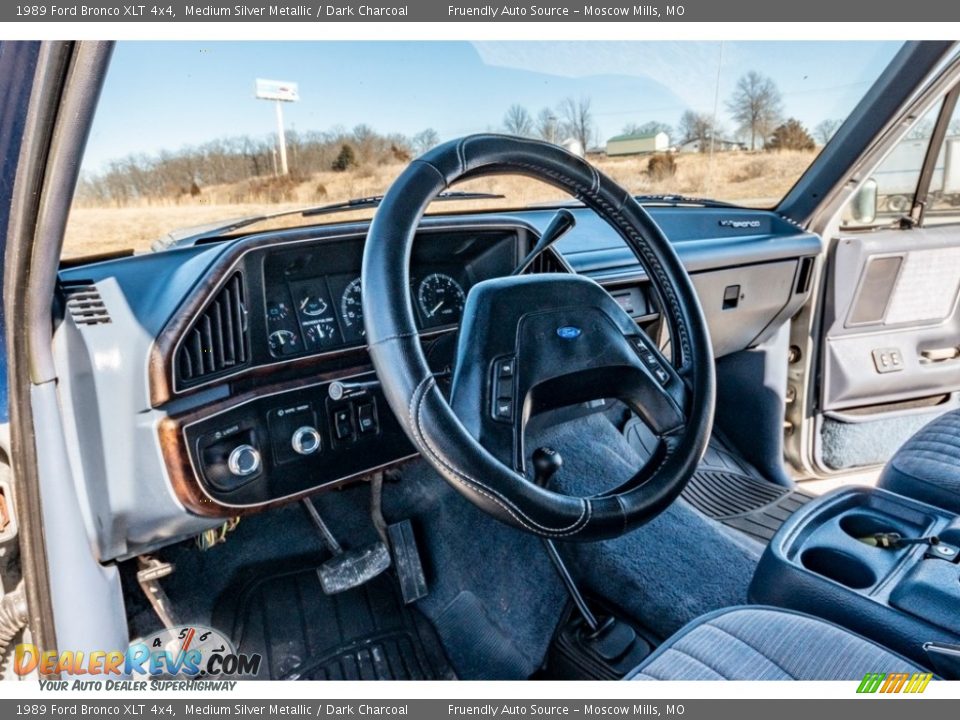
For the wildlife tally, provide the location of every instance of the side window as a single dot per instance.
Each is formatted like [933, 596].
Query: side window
[893, 189]
[891, 192]
[943, 198]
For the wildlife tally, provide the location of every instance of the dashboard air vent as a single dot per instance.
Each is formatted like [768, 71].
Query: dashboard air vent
[546, 262]
[217, 340]
[84, 303]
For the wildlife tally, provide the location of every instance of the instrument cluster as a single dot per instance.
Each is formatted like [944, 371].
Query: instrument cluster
[314, 299]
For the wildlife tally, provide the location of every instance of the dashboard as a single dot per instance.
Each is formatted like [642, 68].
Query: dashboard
[303, 303]
[226, 377]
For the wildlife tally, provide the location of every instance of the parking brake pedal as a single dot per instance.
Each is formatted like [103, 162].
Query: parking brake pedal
[347, 568]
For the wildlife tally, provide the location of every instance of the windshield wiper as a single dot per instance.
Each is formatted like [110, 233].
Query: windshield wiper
[678, 200]
[194, 235]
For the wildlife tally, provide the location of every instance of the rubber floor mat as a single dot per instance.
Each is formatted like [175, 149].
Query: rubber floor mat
[362, 634]
[752, 505]
[727, 488]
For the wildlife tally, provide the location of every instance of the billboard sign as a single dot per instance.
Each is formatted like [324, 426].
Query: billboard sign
[277, 90]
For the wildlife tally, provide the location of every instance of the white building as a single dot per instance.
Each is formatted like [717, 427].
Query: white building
[638, 144]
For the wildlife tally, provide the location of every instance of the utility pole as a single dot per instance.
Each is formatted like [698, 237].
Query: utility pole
[281, 140]
[280, 92]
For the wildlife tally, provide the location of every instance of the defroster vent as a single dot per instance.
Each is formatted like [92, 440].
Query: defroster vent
[546, 262]
[84, 303]
[217, 341]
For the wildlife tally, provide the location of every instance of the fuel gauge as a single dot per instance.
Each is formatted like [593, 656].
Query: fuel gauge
[321, 332]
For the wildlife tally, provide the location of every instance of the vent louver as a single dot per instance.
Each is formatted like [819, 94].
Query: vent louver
[546, 262]
[84, 303]
[217, 341]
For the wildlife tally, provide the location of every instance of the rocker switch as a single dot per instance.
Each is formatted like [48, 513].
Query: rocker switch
[366, 418]
[342, 423]
[504, 388]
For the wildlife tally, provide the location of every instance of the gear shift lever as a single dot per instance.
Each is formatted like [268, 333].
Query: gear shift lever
[546, 463]
[610, 642]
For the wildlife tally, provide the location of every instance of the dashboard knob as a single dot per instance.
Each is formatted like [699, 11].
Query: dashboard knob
[341, 390]
[305, 440]
[244, 460]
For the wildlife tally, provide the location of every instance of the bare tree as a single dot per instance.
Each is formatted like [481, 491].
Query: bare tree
[578, 120]
[826, 129]
[518, 121]
[648, 128]
[425, 140]
[756, 106]
[548, 126]
[698, 127]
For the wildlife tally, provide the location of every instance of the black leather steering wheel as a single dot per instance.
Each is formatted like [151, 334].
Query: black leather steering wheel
[539, 341]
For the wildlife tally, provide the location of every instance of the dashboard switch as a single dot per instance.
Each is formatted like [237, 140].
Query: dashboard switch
[305, 440]
[503, 388]
[343, 423]
[366, 418]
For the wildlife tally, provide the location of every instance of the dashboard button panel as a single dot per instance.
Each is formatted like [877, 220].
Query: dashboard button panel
[303, 439]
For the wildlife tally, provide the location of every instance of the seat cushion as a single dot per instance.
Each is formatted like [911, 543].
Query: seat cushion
[927, 467]
[765, 643]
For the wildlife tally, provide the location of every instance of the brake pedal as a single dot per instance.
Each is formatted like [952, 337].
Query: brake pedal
[403, 545]
[347, 569]
[406, 559]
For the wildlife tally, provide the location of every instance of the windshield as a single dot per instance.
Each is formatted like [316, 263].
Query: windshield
[191, 133]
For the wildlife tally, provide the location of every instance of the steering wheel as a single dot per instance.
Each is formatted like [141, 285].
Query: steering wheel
[529, 343]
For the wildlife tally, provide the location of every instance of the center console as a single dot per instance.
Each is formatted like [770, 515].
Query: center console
[825, 561]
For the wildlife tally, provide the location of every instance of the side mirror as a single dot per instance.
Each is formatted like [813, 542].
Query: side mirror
[863, 206]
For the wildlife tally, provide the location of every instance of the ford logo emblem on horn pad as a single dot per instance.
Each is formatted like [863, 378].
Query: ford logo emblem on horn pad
[569, 332]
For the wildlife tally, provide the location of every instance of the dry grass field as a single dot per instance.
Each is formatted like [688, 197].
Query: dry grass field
[752, 178]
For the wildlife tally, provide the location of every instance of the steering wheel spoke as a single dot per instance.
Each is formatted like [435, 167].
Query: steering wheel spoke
[656, 391]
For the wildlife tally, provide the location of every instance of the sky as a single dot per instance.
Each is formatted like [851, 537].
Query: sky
[165, 95]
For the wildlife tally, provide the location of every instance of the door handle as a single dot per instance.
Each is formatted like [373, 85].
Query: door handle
[940, 354]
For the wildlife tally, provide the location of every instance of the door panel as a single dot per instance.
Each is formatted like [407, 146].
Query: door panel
[891, 350]
[894, 327]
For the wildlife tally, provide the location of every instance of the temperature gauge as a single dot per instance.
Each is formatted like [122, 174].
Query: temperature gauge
[313, 305]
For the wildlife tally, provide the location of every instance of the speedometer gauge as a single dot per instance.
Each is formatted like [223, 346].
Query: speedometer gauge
[441, 299]
[351, 310]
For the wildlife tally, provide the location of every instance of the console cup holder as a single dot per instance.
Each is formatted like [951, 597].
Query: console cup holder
[839, 566]
[859, 525]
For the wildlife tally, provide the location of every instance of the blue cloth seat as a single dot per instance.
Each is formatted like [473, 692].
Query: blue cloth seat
[927, 467]
[765, 643]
